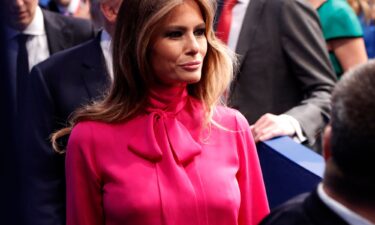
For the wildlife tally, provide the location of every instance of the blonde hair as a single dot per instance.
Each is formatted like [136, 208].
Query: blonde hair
[136, 23]
[364, 7]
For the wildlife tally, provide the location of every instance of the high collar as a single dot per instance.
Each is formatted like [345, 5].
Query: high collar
[169, 100]
[161, 129]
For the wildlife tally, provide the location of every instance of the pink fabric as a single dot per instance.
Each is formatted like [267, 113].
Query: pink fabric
[160, 168]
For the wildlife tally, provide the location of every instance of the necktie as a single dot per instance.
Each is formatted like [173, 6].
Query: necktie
[22, 68]
[225, 20]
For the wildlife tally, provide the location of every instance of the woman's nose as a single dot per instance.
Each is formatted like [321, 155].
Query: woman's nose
[192, 45]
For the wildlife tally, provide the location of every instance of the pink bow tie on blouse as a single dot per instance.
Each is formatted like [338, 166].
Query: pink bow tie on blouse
[161, 129]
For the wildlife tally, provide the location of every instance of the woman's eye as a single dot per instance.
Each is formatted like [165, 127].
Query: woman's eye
[174, 34]
[200, 32]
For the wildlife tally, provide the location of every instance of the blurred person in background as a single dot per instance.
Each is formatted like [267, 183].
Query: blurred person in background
[58, 86]
[76, 8]
[32, 35]
[284, 83]
[365, 10]
[343, 34]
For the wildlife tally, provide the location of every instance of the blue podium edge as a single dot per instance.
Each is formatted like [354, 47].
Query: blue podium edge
[301, 155]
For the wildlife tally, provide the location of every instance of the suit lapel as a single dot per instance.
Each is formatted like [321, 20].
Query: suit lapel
[249, 26]
[57, 34]
[94, 70]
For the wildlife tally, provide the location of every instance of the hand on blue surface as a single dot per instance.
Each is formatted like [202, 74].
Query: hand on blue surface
[269, 126]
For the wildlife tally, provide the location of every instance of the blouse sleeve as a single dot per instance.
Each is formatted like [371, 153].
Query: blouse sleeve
[84, 198]
[338, 20]
[254, 203]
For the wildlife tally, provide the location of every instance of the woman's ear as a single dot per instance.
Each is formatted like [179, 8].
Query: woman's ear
[327, 142]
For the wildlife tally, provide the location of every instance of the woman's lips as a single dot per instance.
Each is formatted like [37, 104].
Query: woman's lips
[191, 66]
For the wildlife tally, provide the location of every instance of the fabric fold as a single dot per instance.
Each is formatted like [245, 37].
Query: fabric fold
[162, 114]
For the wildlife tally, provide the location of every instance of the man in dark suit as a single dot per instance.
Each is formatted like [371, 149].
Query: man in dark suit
[347, 194]
[41, 33]
[58, 86]
[36, 34]
[285, 78]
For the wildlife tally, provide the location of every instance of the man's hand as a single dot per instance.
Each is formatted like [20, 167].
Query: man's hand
[269, 126]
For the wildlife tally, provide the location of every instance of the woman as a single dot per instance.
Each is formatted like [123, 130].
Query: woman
[343, 34]
[158, 149]
[365, 11]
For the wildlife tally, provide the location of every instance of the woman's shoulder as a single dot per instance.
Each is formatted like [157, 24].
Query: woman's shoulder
[93, 131]
[229, 117]
[338, 20]
[89, 125]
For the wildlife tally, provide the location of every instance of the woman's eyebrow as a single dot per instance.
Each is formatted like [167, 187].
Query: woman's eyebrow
[181, 27]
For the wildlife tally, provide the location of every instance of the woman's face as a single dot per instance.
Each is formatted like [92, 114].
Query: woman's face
[179, 45]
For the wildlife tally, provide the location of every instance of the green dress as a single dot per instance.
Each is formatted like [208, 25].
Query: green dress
[338, 20]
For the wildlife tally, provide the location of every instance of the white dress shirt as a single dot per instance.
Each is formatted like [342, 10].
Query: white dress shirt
[346, 214]
[238, 15]
[105, 44]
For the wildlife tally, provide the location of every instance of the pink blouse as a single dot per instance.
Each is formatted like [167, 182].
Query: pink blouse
[161, 168]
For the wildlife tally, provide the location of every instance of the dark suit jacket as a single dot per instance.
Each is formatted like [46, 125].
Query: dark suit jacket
[284, 65]
[305, 209]
[58, 86]
[9, 202]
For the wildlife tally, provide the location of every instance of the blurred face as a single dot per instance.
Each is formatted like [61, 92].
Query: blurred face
[179, 46]
[21, 13]
[109, 9]
[62, 2]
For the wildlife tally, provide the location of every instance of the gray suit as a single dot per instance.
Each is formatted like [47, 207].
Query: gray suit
[284, 65]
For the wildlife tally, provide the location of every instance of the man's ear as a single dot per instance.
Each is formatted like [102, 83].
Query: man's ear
[109, 12]
[327, 142]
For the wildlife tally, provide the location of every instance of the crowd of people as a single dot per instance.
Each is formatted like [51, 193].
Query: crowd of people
[149, 111]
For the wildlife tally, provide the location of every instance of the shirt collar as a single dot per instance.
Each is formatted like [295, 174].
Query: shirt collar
[243, 1]
[105, 39]
[36, 27]
[346, 214]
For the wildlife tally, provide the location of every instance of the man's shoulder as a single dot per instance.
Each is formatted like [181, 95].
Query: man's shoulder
[74, 54]
[290, 213]
[61, 20]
